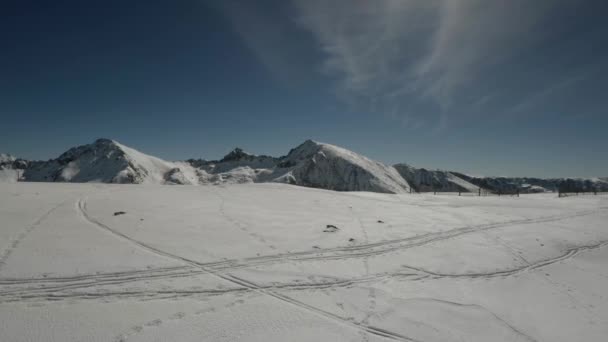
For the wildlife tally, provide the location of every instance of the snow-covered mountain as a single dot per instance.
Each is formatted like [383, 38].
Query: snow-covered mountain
[531, 185]
[311, 164]
[423, 180]
[331, 167]
[235, 159]
[108, 161]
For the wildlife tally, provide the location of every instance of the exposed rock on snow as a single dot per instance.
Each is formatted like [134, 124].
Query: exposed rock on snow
[330, 228]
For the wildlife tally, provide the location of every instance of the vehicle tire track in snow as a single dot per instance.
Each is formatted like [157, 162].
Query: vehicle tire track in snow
[17, 241]
[81, 205]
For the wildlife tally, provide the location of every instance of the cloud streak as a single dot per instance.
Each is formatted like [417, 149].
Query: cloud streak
[425, 63]
[396, 56]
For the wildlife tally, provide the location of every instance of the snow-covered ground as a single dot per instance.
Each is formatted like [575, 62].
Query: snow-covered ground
[258, 262]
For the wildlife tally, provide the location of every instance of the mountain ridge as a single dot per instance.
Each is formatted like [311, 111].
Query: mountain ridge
[311, 164]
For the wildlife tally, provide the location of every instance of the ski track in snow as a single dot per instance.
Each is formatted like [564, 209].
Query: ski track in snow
[52, 292]
[59, 293]
[481, 308]
[17, 241]
[570, 253]
[382, 247]
[81, 205]
[43, 287]
[371, 294]
[71, 287]
[58, 288]
[156, 323]
[239, 224]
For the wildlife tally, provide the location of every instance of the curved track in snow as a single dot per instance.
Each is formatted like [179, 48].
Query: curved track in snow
[39, 287]
[382, 247]
[81, 205]
[17, 241]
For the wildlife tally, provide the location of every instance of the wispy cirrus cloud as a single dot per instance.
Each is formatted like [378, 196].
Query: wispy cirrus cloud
[422, 62]
[393, 54]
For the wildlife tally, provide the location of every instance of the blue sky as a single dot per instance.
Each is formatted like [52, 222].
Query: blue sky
[487, 87]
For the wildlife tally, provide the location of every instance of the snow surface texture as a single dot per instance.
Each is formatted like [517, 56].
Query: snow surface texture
[256, 262]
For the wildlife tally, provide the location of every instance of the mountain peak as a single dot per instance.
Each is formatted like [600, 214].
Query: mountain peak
[312, 164]
[236, 154]
[305, 149]
[310, 143]
[104, 142]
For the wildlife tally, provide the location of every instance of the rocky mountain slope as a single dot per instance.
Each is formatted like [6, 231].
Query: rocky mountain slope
[331, 167]
[108, 161]
[423, 180]
[311, 164]
[531, 185]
